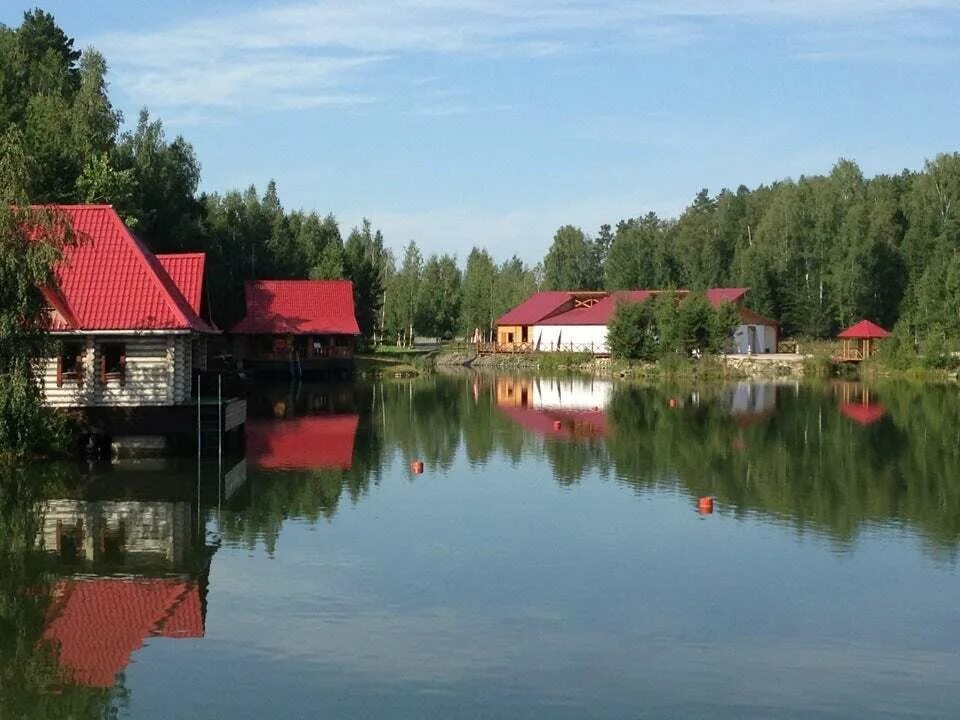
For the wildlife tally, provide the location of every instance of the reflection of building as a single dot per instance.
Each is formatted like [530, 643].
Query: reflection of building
[119, 532]
[98, 623]
[563, 409]
[857, 403]
[131, 570]
[307, 442]
[752, 402]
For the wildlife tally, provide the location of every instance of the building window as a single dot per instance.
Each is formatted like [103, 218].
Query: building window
[70, 363]
[113, 362]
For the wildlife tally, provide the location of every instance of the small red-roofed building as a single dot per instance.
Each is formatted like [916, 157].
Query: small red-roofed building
[297, 326]
[131, 326]
[859, 341]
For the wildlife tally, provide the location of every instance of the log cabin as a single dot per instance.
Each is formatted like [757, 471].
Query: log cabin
[130, 329]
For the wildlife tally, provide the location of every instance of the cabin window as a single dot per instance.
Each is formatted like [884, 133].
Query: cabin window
[70, 363]
[113, 362]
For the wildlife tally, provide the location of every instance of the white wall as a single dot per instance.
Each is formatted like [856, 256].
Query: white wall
[158, 371]
[579, 338]
[766, 339]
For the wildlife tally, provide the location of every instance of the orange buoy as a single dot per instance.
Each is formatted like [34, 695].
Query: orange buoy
[706, 505]
[557, 424]
[417, 467]
[673, 402]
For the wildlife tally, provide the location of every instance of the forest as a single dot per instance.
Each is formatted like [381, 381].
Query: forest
[818, 252]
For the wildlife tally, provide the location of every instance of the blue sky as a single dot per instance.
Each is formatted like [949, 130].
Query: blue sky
[468, 122]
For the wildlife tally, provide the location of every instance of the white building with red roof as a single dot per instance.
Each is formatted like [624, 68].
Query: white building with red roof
[576, 321]
[296, 325]
[131, 326]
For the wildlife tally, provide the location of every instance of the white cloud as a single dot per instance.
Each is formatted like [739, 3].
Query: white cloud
[303, 53]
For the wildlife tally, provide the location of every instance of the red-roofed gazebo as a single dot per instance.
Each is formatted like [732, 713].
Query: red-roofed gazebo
[865, 332]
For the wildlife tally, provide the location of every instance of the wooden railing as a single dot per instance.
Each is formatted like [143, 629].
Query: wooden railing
[491, 348]
[850, 355]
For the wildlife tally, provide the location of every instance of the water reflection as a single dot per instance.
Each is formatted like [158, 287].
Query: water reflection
[92, 567]
[550, 557]
[787, 451]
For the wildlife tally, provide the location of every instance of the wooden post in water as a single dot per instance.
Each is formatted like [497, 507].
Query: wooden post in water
[220, 422]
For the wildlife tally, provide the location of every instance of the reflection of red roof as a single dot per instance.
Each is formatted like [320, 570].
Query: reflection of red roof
[306, 443]
[299, 307]
[863, 414]
[98, 624]
[864, 330]
[535, 308]
[574, 424]
[110, 281]
[186, 271]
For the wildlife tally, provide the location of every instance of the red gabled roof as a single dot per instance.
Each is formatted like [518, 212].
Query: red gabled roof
[749, 317]
[600, 312]
[110, 281]
[718, 296]
[299, 307]
[186, 270]
[543, 308]
[98, 624]
[864, 330]
[535, 308]
[312, 442]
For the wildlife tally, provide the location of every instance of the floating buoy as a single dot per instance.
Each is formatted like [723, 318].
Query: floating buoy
[673, 402]
[706, 505]
[416, 467]
[557, 424]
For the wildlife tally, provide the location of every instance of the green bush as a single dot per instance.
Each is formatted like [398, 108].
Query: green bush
[27, 427]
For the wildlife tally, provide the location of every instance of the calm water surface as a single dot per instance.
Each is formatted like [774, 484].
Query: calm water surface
[554, 559]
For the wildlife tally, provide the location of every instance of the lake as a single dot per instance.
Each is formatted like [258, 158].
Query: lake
[568, 549]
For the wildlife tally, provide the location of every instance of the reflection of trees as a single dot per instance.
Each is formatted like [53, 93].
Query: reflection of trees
[807, 463]
[802, 462]
[31, 679]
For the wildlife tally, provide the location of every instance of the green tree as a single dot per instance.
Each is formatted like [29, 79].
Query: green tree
[632, 332]
[479, 306]
[573, 262]
[363, 263]
[439, 297]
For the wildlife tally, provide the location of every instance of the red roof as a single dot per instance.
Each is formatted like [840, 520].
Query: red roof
[749, 317]
[574, 424]
[110, 281]
[299, 307]
[186, 271]
[98, 624]
[312, 442]
[535, 308]
[602, 311]
[863, 414]
[864, 330]
[718, 296]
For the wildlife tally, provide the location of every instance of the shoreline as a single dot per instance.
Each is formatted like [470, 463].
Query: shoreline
[726, 367]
